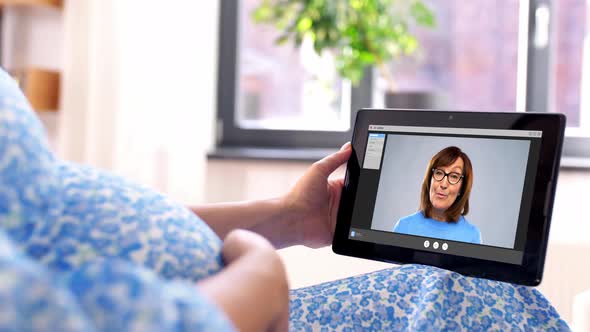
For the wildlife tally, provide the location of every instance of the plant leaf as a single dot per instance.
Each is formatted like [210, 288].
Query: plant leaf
[360, 33]
[423, 15]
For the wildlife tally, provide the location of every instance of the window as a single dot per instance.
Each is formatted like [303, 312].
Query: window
[521, 56]
[570, 76]
[278, 96]
[284, 88]
[569, 57]
[470, 57]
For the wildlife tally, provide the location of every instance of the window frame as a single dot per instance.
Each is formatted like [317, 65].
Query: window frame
[539, 84]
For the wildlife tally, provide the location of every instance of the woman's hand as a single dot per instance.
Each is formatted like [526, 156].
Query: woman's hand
[314, 200]
[252, 290]
[305, 215]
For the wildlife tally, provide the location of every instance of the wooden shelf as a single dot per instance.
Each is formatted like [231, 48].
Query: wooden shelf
[46, 3]
[40, 86]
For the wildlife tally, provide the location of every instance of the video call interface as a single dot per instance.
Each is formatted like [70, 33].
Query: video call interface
[458, 191]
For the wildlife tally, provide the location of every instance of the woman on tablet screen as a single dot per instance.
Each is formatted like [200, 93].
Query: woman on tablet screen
[444, 200]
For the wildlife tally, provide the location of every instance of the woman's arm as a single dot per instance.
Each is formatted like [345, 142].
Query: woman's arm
[252, 290]
[305, 215]
[270, 218]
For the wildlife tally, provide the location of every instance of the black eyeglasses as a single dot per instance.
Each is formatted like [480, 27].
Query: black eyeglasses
[439, 175]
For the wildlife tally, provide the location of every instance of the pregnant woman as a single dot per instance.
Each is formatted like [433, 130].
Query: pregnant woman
[84, 250]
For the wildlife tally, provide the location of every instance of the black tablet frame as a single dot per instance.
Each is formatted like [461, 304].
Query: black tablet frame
[531, 271]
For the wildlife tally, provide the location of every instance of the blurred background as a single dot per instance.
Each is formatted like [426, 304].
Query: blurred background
[196, 99]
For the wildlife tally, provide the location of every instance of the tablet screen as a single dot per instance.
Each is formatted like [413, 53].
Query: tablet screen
[459, 191]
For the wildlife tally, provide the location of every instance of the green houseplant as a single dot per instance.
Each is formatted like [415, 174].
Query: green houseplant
[360, 33]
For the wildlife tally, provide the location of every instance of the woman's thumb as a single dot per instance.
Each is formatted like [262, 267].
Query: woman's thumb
[330, 163]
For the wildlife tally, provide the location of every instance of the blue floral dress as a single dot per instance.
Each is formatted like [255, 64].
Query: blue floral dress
[84, 250]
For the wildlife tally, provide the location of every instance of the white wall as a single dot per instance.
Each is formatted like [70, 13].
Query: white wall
[168, 84]
[89, 102]
[138, 84]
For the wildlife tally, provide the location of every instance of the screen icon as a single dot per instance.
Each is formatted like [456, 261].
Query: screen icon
[352, 233]
[445, 246]
[426, 244]
[435, 245]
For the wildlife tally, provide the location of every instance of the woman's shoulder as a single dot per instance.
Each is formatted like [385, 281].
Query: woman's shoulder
[416, 215]
[405, 223]
[467, 223]
[471, 227]
[412, 217]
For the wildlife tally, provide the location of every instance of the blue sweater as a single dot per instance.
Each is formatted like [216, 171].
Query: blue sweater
[418, 224]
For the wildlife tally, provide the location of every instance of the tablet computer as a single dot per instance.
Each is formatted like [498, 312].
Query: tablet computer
[470, 192]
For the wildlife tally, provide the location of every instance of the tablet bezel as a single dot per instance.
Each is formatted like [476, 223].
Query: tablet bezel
[531, 271]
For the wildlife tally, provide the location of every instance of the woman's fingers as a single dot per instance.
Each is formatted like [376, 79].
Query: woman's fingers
[239, 242]
[329, 164]
[252, 289]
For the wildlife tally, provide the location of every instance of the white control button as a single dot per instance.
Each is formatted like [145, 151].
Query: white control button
[435, 245]
[426, 244]
[445, 246]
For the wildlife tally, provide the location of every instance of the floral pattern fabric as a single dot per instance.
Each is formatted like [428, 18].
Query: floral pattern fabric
[85, 250]
[421, 298]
